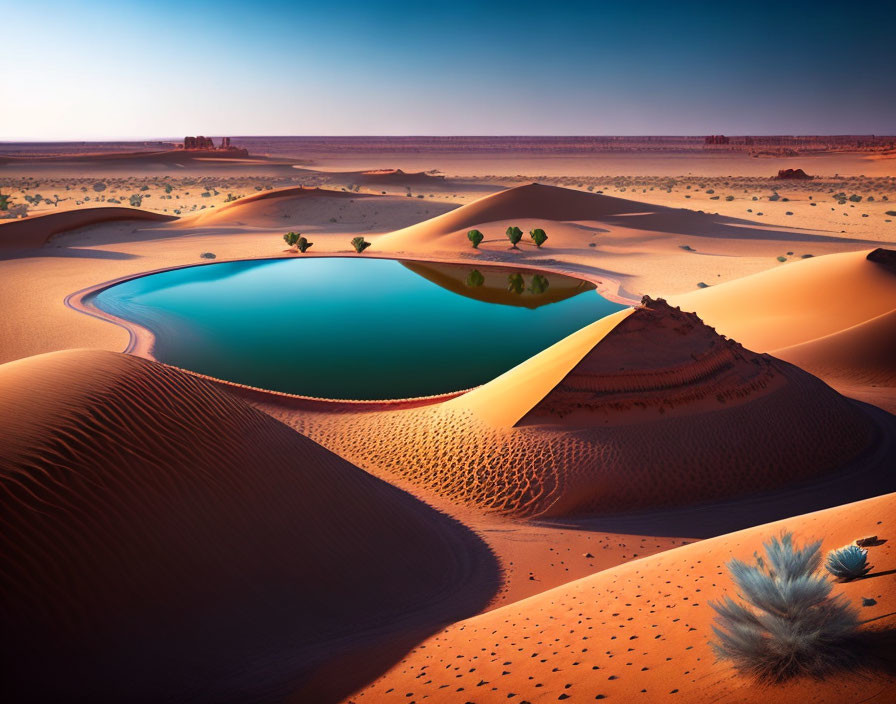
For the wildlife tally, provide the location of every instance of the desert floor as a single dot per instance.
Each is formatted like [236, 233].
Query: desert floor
[779, 266]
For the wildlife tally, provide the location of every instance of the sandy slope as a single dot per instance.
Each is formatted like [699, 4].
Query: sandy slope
[640, 631]
[796, 303]
[834, 316]
[163, 540]
[37, 230]
[639, 410]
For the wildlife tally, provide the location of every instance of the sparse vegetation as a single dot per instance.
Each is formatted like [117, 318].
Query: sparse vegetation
[208, 255]
[475, 237]
[303, 244]
[782, 258]
[788, 624]
[292, 239]
[360, 244]
[514, 234]
[847, 563]
[538, 236]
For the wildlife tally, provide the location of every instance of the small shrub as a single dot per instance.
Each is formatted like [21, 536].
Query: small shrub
[782, 259]
[702, 285]
[303, 244]
[208, 255]
[787, 624]
[847, 563]
[475, 237]
[855, 198]
[136, 200]
[538, 236]
[514, 234]
[360, 244]
[4, 202]
[891, 213]
[292, 239]
[729, 198]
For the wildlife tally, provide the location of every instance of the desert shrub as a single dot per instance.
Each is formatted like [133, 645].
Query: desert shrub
[360, 244]
[702, 284]
[474, 279]
[538, 236]
[846, 563]
[4, 202]
[475, 237]
[782, 259]
[891, 213]
[806, 256]
[136, 200]
[855, 198]
[208, 255]
[303, 244]
[539, 284]
[291, 238]
[729, 198]
[514, 234]
[787, 623]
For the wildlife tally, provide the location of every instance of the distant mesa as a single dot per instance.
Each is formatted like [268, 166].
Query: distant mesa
[207, 144]
[793, 175]
[717, 139]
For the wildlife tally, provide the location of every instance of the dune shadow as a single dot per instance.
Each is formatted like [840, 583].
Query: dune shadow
[70, 253]
[867, 475]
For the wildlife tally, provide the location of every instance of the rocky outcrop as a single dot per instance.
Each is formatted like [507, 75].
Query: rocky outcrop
[793, 175]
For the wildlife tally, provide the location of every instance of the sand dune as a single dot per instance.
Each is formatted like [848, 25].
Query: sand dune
[537, 202]
[267, 207]
[163, 540]
[864, 353]
[797, 302]
[640, 631]
[37, 231]
[639, 410]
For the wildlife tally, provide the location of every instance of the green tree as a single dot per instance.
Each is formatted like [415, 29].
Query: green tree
[4, 202]
[514, 234]
[538, 236]
[360, 244]
[292, 239]
[303, 244]
[475, 236]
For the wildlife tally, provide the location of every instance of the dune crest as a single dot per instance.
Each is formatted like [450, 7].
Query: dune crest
[645, 408]
[164, 540]
[36, 231]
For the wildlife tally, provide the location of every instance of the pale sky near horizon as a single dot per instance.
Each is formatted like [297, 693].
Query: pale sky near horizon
[162, 69]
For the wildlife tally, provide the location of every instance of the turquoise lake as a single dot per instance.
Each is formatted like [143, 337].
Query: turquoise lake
[354, 328]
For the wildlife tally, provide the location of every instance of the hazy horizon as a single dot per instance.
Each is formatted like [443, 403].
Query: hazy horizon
[104, 71]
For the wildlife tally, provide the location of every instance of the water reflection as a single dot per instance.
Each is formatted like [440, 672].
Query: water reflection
[502, 285]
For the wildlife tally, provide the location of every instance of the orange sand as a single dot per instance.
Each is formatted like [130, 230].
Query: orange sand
[640, 631]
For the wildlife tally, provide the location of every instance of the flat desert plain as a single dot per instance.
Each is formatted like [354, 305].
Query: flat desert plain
[555, 534]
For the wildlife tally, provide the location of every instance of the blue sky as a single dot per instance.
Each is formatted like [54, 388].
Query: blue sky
[105, 70]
